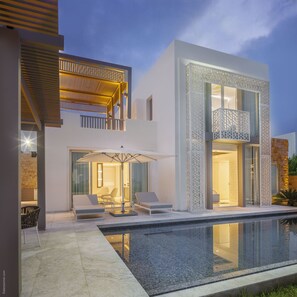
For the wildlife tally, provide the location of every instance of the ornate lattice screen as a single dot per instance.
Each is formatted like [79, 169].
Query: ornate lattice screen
[197, 76]
[231, 124]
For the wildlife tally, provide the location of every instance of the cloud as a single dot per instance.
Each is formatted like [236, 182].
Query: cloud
[230, 25]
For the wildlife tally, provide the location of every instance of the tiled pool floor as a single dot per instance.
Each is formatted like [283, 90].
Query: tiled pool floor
[76, 260]
[179, 256]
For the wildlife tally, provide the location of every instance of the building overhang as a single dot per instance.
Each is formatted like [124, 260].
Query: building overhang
[37, 26]
[92, 86]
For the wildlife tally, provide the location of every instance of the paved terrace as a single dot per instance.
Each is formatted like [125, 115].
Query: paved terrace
[75, 259]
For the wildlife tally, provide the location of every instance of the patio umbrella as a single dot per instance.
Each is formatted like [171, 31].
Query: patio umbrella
[122, 156]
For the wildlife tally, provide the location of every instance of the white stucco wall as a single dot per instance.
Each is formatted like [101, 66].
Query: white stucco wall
[59, 141]
[166, 83]
[159, 83]
[191, 53]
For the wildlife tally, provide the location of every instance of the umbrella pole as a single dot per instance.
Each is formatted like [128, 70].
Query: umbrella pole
[123, 194]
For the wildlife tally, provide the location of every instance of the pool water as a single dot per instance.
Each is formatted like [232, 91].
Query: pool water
[179, 256]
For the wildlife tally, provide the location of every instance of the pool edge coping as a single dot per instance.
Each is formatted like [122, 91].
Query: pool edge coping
[252, 284]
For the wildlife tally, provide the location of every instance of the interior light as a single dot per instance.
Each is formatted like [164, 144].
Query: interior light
[28, 142]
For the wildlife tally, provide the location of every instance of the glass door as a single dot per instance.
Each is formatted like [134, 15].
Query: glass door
[139, 178]
[225, 174]
[80, 175]
[252, 191]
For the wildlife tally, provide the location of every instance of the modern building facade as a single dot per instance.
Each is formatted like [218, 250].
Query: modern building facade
[95, 100]
[208, 109]
[212, 113]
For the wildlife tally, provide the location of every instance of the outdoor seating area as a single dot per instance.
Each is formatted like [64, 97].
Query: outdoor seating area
[29, 219]
[84, 205]
[108, 199]
[149, 201]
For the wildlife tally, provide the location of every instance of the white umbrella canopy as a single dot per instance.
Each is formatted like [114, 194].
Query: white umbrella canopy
[122, 156]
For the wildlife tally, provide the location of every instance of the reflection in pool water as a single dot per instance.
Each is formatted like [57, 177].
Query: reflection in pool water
[175, 257]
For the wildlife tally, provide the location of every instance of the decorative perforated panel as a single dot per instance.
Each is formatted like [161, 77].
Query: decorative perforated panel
[197, 76]
[265, 186]
[100, 72]
[231, 124]
[195, 142]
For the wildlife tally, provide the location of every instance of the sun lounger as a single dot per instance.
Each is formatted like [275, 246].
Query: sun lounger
[86, 205]
[150, 202]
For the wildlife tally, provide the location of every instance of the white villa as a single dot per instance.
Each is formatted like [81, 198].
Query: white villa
[209, 109]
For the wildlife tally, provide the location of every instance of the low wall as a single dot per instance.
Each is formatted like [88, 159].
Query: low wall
[28, 171]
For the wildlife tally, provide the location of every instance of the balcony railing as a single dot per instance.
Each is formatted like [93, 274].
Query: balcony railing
[231, 125]
[101, 123]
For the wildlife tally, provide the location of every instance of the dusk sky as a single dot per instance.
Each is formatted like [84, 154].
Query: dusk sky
[136, 32]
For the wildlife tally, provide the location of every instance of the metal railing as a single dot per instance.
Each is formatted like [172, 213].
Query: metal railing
[231, 124]
[101, 123]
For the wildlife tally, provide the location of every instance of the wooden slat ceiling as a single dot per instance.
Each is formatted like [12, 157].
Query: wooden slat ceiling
[89, 84]
[31, 15]
[39, 61]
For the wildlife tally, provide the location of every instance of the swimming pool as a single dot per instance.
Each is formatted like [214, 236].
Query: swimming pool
[174, 257]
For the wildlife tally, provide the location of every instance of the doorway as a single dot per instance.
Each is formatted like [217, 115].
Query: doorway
[225, 174]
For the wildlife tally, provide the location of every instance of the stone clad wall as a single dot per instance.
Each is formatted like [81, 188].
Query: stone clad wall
[293, 182]
[28, 171]
[279, 156]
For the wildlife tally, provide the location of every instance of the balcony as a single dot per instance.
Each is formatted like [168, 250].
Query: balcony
[231, 125]
[101, 123]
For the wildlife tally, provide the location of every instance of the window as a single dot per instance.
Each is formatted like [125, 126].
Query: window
[223, 97]
[99, 175]
[149, 108]
[79, 174]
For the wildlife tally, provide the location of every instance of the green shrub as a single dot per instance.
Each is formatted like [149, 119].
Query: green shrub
[293, 165]
[289, 291]
[291, 195]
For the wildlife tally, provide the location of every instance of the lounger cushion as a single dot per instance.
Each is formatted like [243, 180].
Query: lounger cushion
[86, 204]
[89, 209]
[79, 200]
[146, 197]
[156, 205]
[150, 200]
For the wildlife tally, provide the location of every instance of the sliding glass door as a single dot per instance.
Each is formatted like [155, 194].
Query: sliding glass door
[139, 178]
[252, 190]
[80, 175]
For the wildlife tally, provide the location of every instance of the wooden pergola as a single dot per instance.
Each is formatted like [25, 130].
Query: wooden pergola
[95, 86]
[37, 25]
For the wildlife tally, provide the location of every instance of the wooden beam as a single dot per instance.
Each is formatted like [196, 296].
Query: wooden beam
[83, 107]
[83, 92]
[40, 39]
[29, 13]
[28, 127]
[121, 102]
[66, 73]
[30, 103]
[80, 101]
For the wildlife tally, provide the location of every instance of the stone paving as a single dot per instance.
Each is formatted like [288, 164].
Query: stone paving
[75, 259]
